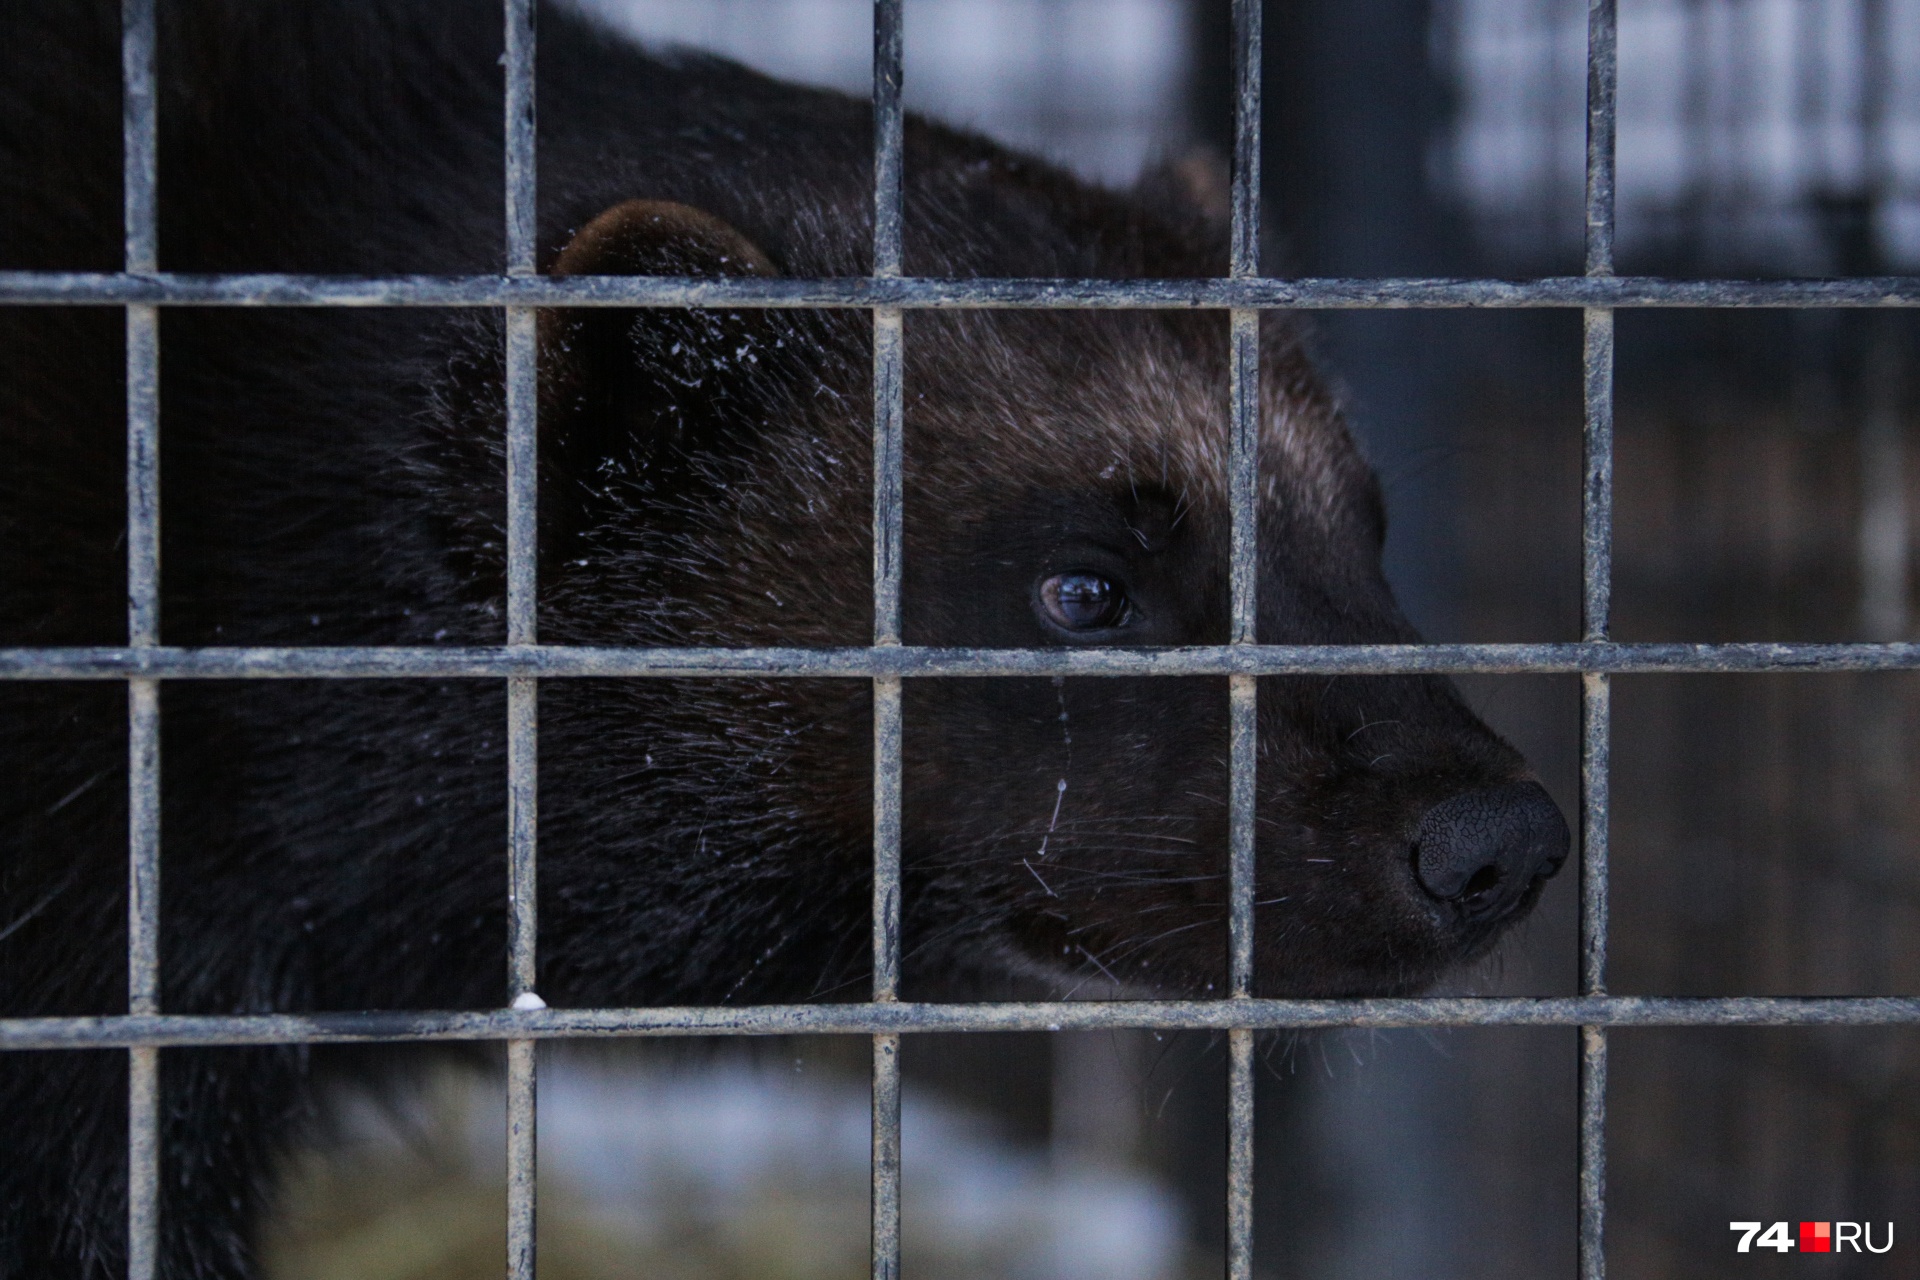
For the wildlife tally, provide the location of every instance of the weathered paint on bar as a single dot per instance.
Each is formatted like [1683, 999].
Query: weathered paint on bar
[1596, 528]
[558, 661]
[160, 288]
[901, 1017]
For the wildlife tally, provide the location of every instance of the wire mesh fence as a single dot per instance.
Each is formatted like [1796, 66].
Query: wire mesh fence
[144, 663]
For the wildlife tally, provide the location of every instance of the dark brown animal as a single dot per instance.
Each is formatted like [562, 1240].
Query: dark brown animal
[335, 478]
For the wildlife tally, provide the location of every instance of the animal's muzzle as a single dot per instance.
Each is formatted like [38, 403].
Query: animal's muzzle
[1481, 852]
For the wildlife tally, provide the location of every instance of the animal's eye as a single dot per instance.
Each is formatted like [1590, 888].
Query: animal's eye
[1083, 601]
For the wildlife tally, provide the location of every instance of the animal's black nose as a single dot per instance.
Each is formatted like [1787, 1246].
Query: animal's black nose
[1482, 850]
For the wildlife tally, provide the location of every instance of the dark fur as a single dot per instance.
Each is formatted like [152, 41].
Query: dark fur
[335, 478]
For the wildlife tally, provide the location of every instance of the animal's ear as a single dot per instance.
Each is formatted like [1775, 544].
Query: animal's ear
[660, 238]
[1192, 188]
[630, 397]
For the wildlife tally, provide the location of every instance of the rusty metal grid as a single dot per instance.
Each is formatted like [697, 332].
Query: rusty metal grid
[143, 663]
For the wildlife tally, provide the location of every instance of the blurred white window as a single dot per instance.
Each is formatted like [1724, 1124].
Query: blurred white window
[1746, 127]
[1096, 85]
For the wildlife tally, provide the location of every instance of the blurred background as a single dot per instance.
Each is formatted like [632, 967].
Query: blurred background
[1765, 827]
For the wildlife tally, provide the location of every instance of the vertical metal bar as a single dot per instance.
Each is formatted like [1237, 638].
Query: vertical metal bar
[1596, 724]
[1243, 479]
[1602, 80]
[1598, 365]
[1596, 533]
[143, 823]
[888, 471]
[1597, 589]
[139, 185]
[1593, 1153]
[143, 696]
[1244, 740]
[1243, 464]
[522, 1146]
[143, 476]
[886, 1157]
[143, 978]
[886, 838]
[1597, 514]
[520, 157]
[1596, 692]
[522, 1063]
[1243, 468]
[139, 126]
[1595, 760]
[1245, 232]
[1243, 752]
[522, 629]
[889, 126]
[886, 922]
[522, 331]
[1239, 1154]
[140, 143]
[888, 334]
[888, 483]
[523, 708]
[1243, 706]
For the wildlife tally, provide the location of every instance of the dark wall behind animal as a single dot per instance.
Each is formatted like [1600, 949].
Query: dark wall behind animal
[335, 478]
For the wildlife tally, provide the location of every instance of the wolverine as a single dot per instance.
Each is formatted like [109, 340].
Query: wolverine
[336, 477]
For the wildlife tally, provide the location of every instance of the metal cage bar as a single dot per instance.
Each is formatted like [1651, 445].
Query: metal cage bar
[567, 662]
[1243, 465]
[905, 1017]
[83, 288]
[889, 410]
[139, 169]
[523, 692]
[1596, 529]
[142, 288]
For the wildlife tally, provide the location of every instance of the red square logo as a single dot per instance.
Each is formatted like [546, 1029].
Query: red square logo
[1816, 1237]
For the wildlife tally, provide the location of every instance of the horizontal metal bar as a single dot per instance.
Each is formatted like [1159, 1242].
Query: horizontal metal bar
[560, 661]
[43, 288]
[887, 1018]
